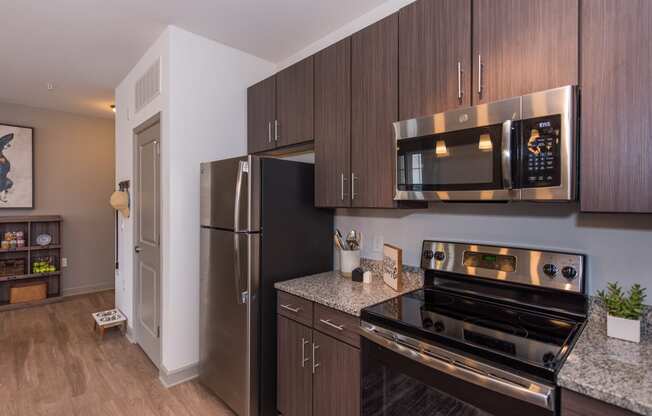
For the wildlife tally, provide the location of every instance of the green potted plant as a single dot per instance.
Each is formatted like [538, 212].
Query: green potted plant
[624, 311]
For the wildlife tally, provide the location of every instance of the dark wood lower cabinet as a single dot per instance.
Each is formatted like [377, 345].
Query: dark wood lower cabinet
[318, 374]
[336, 383]
[575, 404]
[294, 372]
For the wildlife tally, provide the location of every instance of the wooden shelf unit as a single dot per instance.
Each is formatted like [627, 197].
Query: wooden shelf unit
[32, 226]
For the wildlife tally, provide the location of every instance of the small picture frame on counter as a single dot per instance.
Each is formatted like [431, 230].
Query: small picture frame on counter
[393, 267]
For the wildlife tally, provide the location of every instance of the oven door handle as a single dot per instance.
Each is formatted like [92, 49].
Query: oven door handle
[535, 393]
[506, 155]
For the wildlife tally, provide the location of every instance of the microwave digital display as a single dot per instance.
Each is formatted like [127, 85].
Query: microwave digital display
[541, 152]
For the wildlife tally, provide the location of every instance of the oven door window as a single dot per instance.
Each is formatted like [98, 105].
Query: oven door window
[393, 385]
[460, 160]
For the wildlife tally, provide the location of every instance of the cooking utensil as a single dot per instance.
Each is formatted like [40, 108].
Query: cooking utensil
[340, 240]
[353, 239]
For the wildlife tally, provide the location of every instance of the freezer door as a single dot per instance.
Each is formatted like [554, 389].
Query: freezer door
[229, 190]
[228, 318]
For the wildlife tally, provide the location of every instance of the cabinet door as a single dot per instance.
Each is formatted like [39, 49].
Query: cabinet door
[294, 367]
[261, 113]
[616, 145]
[374, 97]
[523, 47]
[333, 125]
[336, 382]
[294, 100]
[434, 57]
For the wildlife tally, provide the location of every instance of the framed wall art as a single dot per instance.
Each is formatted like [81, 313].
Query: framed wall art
[16, 166]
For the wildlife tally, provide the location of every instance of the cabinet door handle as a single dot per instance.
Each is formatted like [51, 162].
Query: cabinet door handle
[290, 308]
[332, 325]
[342, 180]
[460, 93]
[353, 179]
[304, 359]
[275, 130]
[480, 75]
[269, 132]
[314, 363]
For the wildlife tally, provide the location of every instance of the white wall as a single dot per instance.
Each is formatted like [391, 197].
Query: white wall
[203, 112]
[126, 121]
[618, 247]
[208, 119]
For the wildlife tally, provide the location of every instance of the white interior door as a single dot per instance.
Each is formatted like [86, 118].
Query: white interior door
[147, 228]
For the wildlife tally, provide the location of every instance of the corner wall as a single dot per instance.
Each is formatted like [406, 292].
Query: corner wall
[203, 107]
[73, 177]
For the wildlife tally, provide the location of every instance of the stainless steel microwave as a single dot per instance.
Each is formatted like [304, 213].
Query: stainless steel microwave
[522, 148]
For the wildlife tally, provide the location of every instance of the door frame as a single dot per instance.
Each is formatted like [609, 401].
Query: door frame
[156, 118]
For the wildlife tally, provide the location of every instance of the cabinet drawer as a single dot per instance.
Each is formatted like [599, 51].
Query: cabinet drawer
[294, 307]
[337, 324]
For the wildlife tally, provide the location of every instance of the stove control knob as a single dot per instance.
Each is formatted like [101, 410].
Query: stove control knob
[548, 359]
[550, 270]
[427, 323]
[428, 254]
[569, 272]
[440, 255]
[439, 326]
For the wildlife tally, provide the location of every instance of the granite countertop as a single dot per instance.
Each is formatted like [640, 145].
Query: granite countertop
[610, 370]
[341, 293]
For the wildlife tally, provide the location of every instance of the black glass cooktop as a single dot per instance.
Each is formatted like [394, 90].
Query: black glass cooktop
[494, 330]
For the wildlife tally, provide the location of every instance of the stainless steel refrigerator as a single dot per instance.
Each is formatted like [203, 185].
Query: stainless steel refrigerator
[258, 226]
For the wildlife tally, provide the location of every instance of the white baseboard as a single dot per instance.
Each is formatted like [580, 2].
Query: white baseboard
[181, 375]
[81, 290]
[131, 334]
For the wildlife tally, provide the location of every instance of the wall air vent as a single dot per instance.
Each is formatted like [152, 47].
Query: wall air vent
[148, 86]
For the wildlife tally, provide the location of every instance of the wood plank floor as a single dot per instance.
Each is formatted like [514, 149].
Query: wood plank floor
[52, 364]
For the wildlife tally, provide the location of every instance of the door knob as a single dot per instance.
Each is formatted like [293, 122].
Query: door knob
[137, 249]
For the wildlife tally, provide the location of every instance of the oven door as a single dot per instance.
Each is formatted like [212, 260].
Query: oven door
[399, 380]
[458, 155]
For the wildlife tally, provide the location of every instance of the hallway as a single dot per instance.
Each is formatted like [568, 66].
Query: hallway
[51, 363]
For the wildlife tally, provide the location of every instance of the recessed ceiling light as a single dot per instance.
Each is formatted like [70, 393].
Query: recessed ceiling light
[50, 86]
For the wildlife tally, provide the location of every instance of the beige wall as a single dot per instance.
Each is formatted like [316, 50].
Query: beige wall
[74, 171]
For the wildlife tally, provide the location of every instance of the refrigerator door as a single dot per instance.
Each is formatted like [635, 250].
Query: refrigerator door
[228, 318]
[230, 194]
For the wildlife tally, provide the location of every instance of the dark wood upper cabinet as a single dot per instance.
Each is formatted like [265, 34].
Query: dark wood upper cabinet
[294, 371]
[333, 125]
[434, 57]
[374, 103]
[336, 383]
[294, 103]
[616, 58]
[261, 113]
[520, 47]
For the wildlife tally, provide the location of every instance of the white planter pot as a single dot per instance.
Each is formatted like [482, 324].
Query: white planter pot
[627, 329]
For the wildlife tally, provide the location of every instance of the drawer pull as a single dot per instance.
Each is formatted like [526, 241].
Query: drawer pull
[332, 325]
[291, 309]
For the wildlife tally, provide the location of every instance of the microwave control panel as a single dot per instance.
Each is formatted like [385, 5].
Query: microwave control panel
[541, 150]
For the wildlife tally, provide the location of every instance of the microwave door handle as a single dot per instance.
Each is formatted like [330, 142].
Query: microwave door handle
[506, 155]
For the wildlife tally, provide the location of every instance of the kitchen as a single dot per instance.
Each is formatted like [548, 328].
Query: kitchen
[501, 148]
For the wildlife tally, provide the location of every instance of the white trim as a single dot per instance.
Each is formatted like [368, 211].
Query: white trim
[181, 375]
[82, 290]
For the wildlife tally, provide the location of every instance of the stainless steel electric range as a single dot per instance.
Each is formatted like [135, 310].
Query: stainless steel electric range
[486, 335]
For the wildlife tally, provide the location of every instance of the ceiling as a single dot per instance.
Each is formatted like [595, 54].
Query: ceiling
[86, 47]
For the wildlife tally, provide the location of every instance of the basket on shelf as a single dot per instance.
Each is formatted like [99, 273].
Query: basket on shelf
[12, 267]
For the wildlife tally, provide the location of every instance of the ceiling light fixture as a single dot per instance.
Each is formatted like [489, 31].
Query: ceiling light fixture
[112, 107]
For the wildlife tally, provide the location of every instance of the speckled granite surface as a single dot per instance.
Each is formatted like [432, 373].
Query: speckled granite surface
[611, 370]
[337, 292]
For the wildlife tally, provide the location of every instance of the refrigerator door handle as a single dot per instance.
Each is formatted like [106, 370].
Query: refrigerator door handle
[241, 295]
[243, 167]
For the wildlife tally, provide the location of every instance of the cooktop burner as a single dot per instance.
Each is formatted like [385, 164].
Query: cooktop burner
[490, 328]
